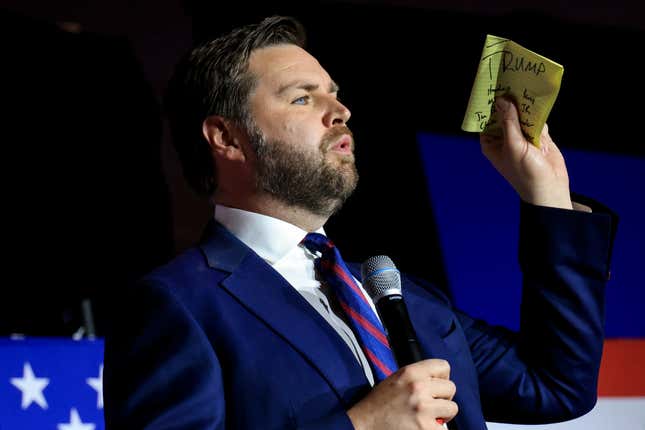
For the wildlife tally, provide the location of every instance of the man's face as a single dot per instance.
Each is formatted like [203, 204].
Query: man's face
[304, 148]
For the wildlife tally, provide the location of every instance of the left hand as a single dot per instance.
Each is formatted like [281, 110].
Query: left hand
[538, 175]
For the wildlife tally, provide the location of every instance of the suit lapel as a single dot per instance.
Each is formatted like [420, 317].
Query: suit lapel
[270, 298]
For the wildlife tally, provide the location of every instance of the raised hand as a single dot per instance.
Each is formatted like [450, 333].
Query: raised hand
[538, 175]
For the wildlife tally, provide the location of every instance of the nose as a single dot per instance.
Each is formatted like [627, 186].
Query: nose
[337, 114]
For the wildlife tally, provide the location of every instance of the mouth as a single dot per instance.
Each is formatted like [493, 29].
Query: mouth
[342, 145]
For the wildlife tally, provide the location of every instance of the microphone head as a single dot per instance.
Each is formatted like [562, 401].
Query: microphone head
[380, 277]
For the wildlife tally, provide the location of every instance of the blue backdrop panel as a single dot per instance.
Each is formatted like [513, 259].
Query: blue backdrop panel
[477, 218]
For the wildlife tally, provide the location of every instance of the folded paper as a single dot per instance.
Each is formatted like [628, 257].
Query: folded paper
[529, 79]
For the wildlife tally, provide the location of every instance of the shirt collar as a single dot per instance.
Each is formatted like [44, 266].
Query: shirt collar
[270, 238]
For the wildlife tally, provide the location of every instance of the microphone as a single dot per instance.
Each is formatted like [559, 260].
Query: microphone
[382, 281]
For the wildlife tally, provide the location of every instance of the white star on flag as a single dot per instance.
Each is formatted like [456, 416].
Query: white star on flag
[31, 387]
[75, 422]
[97, 384]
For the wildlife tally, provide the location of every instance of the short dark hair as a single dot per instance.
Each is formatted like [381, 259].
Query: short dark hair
[213, 79]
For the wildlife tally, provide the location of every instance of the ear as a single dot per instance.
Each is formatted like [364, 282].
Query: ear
[224, 138]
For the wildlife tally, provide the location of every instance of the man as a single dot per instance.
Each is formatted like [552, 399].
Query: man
[244, 331]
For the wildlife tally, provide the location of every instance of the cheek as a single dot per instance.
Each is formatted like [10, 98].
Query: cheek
[290, 130]
[301, 134]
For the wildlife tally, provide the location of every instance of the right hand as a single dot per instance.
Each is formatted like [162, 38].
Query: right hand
[413, 398]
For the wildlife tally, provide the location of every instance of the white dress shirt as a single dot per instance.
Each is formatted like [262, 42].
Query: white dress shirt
[278, 243]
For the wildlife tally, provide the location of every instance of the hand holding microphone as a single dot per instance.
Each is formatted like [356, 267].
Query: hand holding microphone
[418, 395]
[414, 397]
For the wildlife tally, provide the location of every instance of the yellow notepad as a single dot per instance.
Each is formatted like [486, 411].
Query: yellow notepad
[531, 80]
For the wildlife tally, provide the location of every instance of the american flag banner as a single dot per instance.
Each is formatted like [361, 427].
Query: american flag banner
[45, 385]
[51, 384]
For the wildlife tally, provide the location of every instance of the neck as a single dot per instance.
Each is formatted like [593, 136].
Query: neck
[270, 206]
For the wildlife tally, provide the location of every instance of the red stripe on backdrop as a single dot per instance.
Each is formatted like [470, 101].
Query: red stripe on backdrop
[622, 370]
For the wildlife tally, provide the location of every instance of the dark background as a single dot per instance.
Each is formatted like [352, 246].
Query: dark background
[92, 191]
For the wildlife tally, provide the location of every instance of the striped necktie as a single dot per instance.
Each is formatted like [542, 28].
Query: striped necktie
[363, 321]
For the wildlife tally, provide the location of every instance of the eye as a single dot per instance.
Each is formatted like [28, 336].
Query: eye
[301, 100]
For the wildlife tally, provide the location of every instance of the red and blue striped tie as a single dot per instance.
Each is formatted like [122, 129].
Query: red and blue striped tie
[366, 326]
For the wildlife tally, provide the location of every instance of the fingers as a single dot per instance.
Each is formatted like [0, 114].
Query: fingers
[445, 410]
[546, 142]
[444, 389]
[545, 139]
[432, 368]
[512, 142]
[428, 380]
[419, 395]
[507, 114]
[430, 389]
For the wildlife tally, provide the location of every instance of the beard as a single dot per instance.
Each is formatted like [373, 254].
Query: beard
[304, 178]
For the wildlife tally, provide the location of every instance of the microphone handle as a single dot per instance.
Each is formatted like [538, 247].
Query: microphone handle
[401, 335]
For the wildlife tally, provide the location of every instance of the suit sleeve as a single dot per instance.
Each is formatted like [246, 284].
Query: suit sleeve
[548, 371]
[160, 371]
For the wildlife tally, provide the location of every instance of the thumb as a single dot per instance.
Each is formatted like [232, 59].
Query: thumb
[511, 129]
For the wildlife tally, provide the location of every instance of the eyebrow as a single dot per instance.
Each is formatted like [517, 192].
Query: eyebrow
[333, 87]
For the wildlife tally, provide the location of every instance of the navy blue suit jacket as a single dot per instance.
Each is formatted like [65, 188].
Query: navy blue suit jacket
[217, 339]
